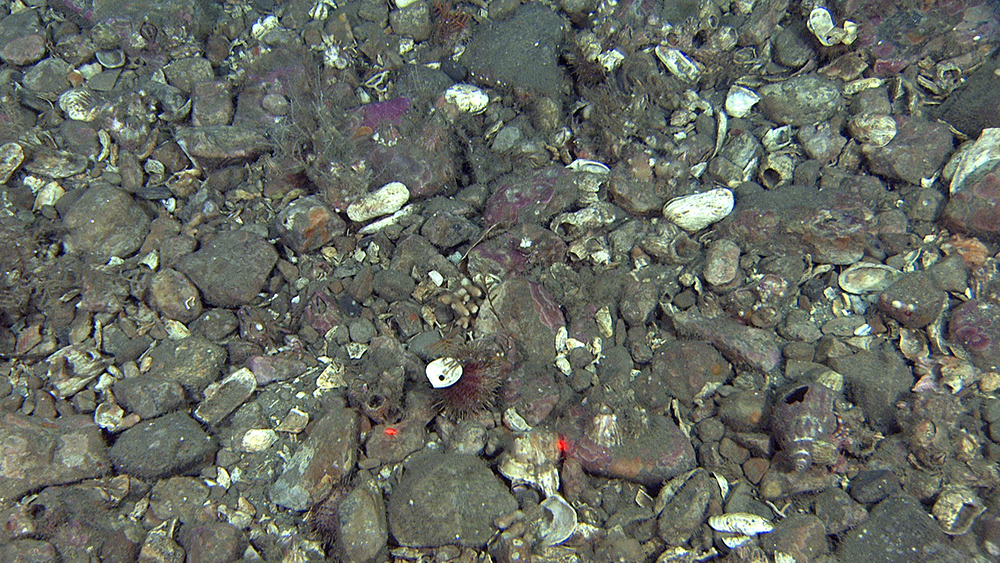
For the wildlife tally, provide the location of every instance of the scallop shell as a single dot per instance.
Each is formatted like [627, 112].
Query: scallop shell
[468, 98]
[867, 277]
[874, 129]
[80, 104]
[444, 372]
[697, 211]
[563, 522]
[384, 201]
[804, 422]
[112, 58]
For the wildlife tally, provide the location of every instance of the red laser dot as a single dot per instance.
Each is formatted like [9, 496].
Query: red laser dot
[562, 444]
[390, 431]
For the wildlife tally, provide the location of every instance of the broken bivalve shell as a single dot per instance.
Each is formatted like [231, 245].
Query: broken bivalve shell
[563, 522]
[697, 211]
[821, 24]
[468, 98]
[740, 100]
[384, 201]
[533, 460]
[444, 372]
[678, 63]
[973, 158]
[11, 157]
[956, 509]
[592, 166]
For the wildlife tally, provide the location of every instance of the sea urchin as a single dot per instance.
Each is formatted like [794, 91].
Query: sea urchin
[468, 381]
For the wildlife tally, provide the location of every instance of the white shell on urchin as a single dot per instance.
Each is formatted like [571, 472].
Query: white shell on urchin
[386, 200]
[697, 211]
[468, 98]
[444, 372]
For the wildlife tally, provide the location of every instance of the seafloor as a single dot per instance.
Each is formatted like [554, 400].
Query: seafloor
[484, 280]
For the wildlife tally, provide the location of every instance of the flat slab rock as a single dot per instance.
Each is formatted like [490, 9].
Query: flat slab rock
[327, 456]
[447, 499]
[36, 453]
[898, 530]
[231, 269]
[162, 446]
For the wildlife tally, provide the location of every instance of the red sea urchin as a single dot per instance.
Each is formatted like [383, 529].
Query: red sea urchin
[324, 518]
[478, 372]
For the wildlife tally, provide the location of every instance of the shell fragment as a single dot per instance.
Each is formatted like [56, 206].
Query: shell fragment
[386, 200]
[678, 63]
[743, 523]
[740, 100]
[821, 24]
[468, 98]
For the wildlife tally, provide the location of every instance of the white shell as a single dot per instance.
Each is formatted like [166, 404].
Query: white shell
[384, 201]
[697, 211]
[678, 63]
[563, 520]
[258, 439]
[592, 166]
[743, 523]
[109, 416]
[740, 100]
[376, 226]
[444, 372]
[468, 98]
